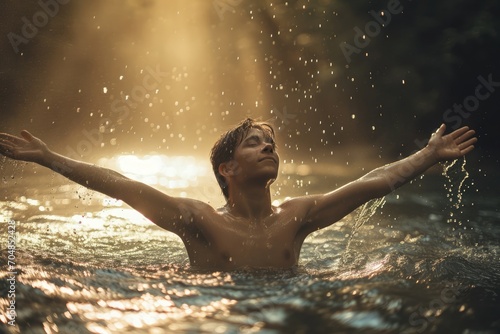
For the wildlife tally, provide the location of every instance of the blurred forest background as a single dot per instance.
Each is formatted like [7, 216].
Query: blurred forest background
[148, 76]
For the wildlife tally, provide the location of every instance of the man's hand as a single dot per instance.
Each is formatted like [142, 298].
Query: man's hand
[453, 145]
[27, 148]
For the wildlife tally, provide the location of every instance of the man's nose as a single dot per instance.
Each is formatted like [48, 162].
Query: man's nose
[268, 147]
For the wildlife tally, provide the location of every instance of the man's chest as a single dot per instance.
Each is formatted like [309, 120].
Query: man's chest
[269, 243]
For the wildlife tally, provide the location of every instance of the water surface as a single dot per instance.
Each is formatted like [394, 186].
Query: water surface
[424, 262]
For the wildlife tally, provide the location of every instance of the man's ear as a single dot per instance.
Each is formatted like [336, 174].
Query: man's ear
[225, 170]
[229, 168]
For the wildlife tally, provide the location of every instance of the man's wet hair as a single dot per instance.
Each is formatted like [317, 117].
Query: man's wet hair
[224, 147]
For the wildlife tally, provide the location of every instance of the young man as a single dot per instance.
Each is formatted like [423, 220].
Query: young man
[248, 232]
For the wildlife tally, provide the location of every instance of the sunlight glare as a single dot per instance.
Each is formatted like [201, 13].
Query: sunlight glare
[167, 171]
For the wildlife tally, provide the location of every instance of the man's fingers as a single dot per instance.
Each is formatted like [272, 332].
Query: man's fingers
[440, 131]
[467, 150]
[457, 133]
[26, 135]
[5, 137]
[466, 144]
[6, 144]
[465, 136]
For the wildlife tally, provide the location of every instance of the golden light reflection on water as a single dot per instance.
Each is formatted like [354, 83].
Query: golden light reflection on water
[177, 175]
[130, 304]
[371, 269]
[144, 311]
[173, 172]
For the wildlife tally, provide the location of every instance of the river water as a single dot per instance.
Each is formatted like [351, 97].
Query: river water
[423, 260]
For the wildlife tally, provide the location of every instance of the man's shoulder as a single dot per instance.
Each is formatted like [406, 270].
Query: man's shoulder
[299, 200]
[195, 207]
[297, 204]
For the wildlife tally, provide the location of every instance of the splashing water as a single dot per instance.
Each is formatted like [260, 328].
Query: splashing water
[365, 212]
[452, 172]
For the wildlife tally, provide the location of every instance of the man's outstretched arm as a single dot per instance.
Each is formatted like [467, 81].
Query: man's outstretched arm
[326, 209]
[163, 210]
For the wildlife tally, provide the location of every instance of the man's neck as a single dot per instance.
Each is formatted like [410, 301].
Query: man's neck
[250, 202]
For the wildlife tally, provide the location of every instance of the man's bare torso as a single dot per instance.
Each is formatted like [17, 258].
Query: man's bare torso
[227, 242]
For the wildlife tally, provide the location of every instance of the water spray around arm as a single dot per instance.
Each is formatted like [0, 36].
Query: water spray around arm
[440, 148]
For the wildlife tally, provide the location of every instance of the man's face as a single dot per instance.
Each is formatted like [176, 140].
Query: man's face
[256, 158]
